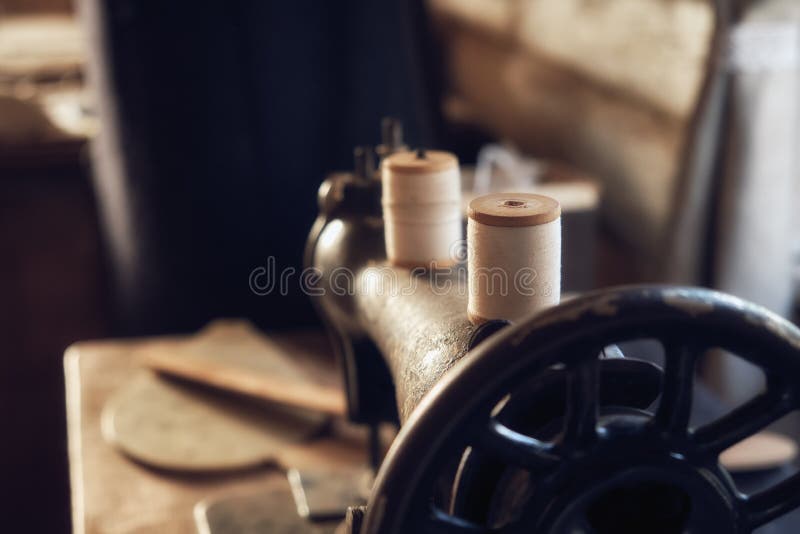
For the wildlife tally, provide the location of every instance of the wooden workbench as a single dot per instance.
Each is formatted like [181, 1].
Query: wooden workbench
[112, 494]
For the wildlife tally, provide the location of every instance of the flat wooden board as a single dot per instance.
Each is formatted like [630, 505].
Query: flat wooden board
[296, 369]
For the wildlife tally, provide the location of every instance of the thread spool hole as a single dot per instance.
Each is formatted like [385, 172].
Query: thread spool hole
[513, 203]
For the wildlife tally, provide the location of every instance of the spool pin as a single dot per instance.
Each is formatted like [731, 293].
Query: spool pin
[514, 255]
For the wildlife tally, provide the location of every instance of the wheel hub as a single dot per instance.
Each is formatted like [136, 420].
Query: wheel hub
[627, 486]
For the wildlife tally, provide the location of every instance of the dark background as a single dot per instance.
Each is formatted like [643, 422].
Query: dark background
[228, 116]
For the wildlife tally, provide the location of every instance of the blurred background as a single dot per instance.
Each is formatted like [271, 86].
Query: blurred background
[152, 154]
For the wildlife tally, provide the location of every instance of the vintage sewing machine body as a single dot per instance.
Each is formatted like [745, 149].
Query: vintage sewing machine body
[540, 426]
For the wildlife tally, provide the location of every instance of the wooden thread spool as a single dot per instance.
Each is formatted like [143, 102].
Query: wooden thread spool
[514, 255]
[421, 208]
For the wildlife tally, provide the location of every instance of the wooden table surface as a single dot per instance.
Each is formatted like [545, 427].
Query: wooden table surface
[112, 494]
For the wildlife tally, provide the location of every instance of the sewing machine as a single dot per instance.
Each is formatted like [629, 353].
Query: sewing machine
[544, 425]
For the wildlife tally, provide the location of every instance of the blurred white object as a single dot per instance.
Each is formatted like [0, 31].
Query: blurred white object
[758, 216]
[501, 167]
[760, 182]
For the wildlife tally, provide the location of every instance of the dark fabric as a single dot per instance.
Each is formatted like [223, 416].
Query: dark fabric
[226, 116]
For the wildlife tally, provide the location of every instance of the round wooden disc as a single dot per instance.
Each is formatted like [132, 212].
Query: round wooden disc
[765, 450]
[412, 163]
[179, 426]
[514, 209]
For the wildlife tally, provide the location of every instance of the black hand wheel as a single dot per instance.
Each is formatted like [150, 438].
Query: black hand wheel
[602, 465]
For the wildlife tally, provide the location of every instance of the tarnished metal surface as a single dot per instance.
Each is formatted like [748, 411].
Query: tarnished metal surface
[421, 330]
[347, 236]
[378, 313]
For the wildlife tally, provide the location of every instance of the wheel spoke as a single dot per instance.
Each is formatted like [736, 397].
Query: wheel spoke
[441, 523]
[675, 406]
[743, 421]
[772, 503]
[582, 399]
[518, 449]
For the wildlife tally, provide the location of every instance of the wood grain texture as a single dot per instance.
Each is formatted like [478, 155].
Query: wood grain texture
[111, 494]
[296, 369]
